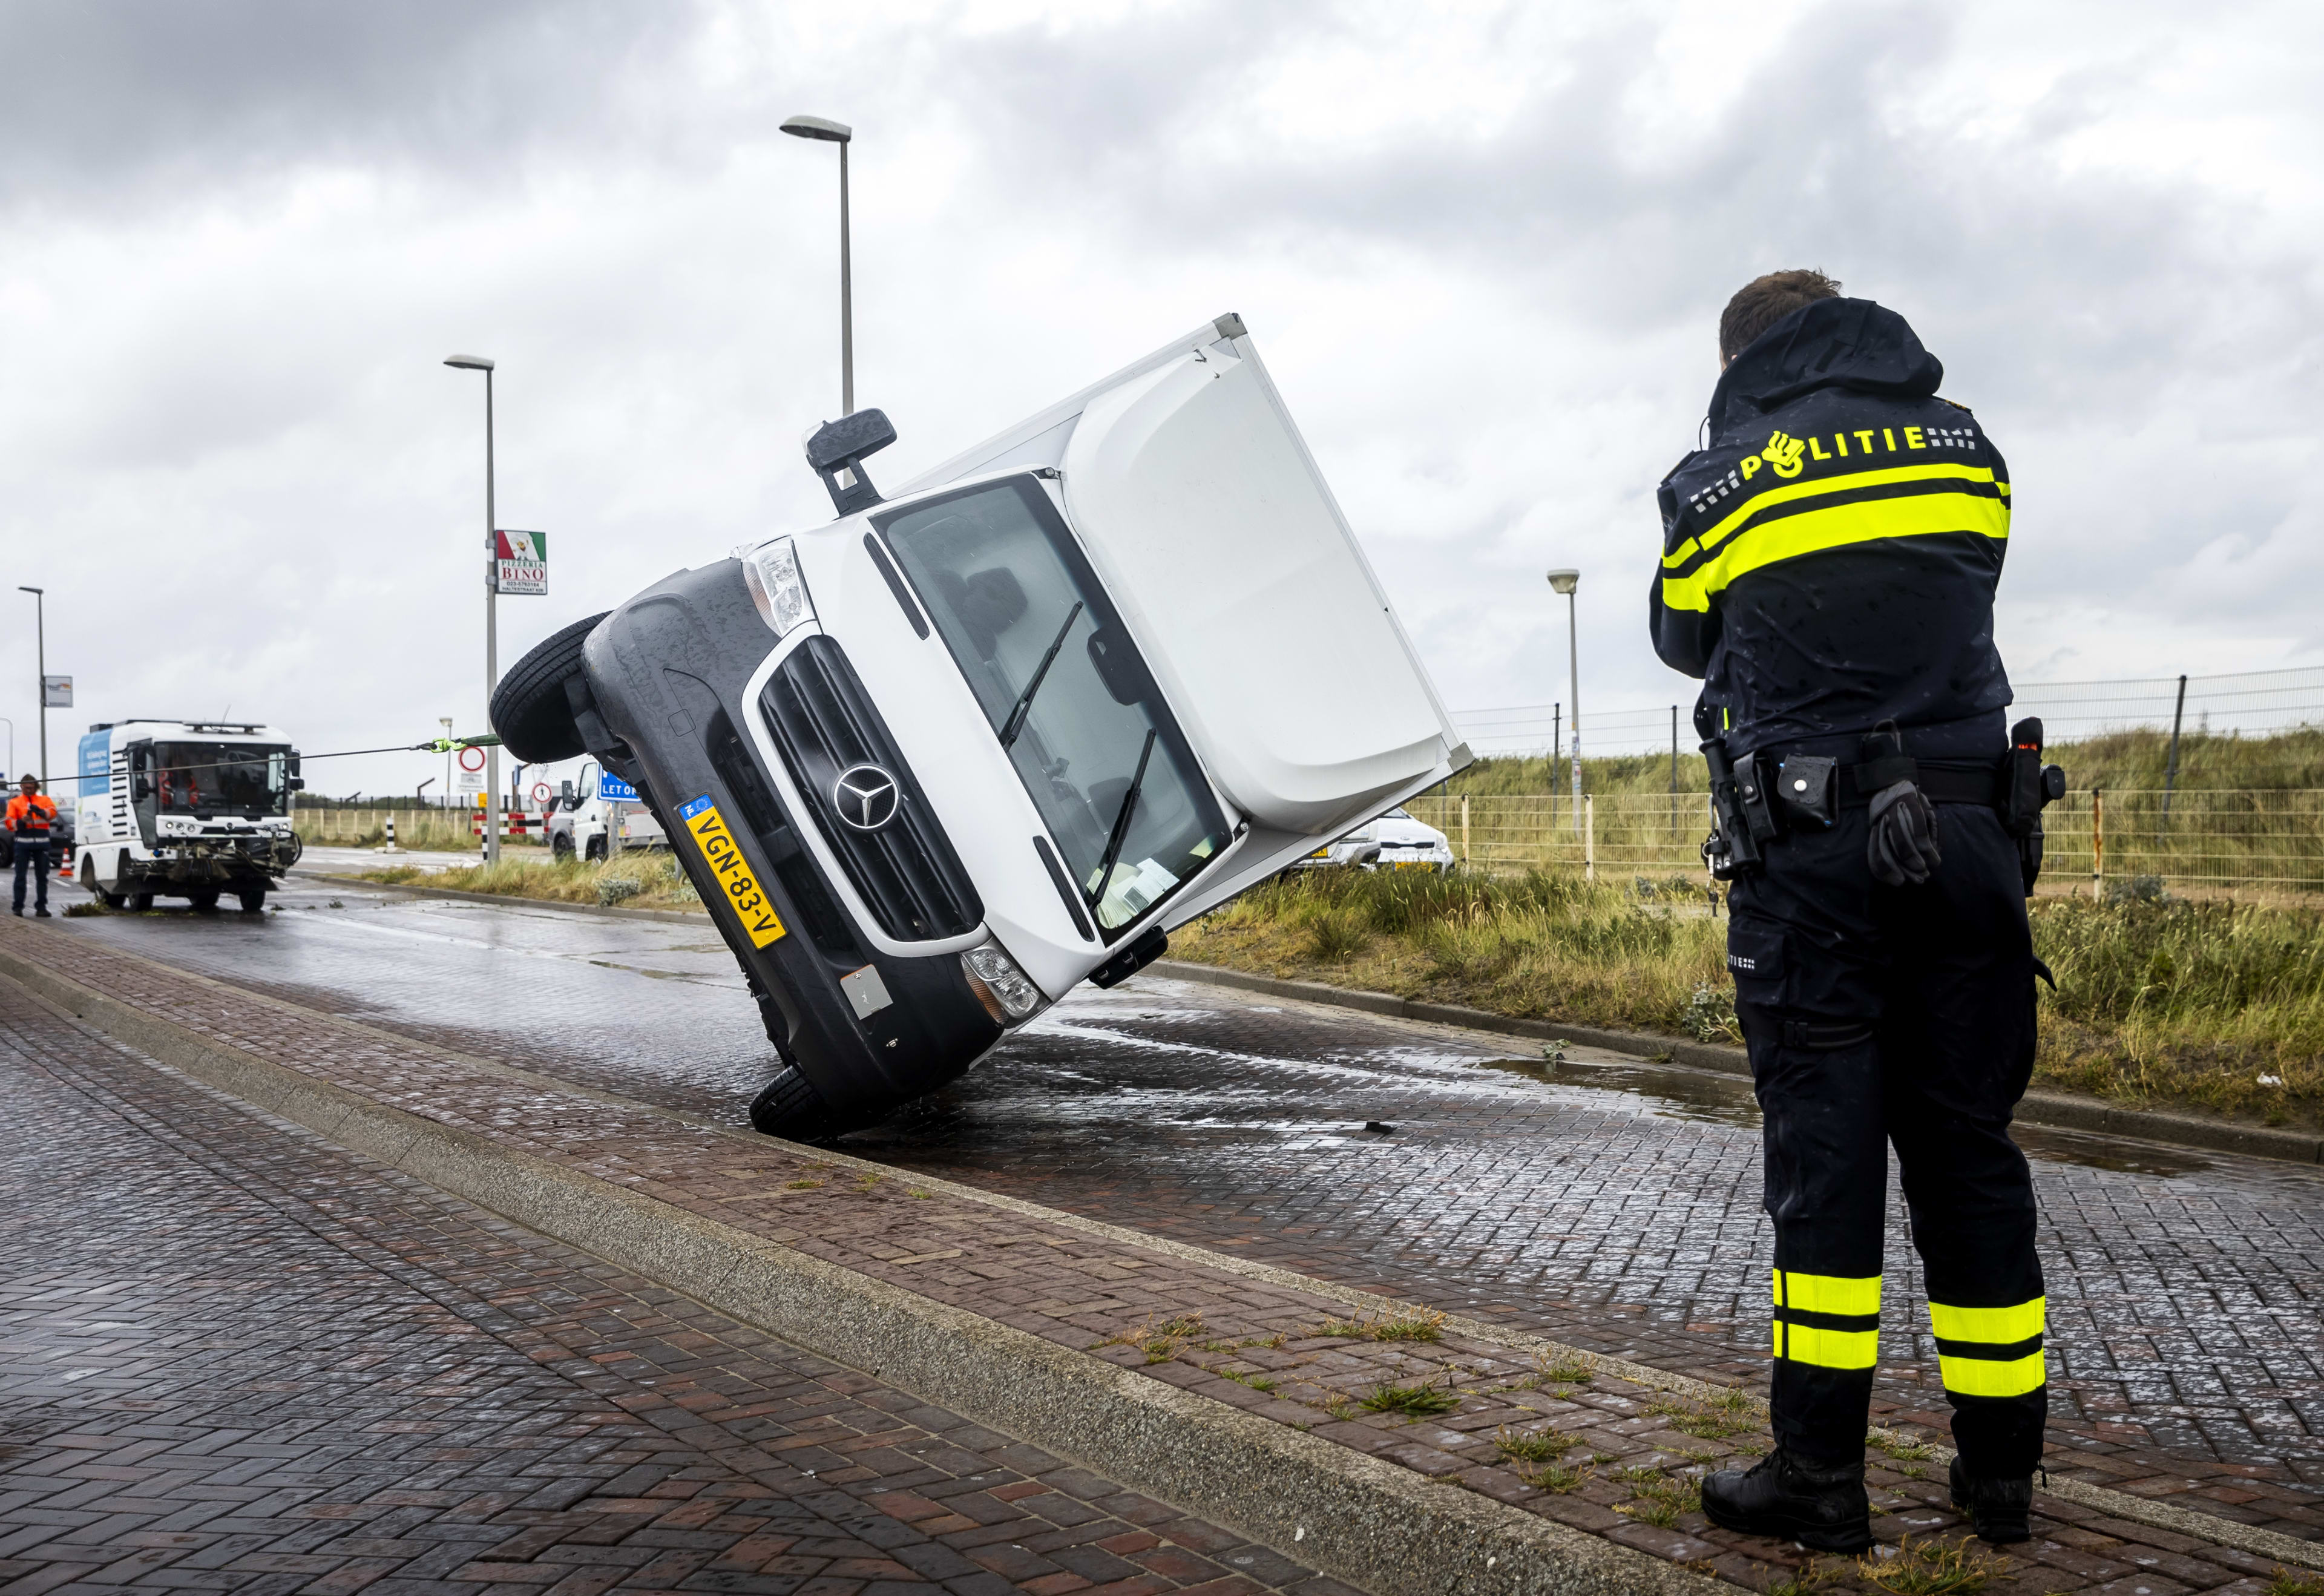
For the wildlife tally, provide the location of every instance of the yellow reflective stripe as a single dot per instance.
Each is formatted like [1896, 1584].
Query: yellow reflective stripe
[1991, 1377]
[1998, 1326]
[1828, 1294]
[1836, 527]
[1792, 492]
[1828, 1349]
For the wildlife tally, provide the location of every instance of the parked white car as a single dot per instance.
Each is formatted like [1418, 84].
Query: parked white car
[962, 747]
[1405, 843]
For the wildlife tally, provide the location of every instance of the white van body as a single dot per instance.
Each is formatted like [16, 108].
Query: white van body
[580, 826]
[191, 809]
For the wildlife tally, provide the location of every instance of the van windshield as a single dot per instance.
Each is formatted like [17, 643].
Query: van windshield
[214, 778]
[1001, 576]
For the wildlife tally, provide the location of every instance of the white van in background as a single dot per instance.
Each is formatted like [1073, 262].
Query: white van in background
[191, 809]
[583, 812]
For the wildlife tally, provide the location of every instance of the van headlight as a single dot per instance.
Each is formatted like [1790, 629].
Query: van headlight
[1007, 993]
[771, 572]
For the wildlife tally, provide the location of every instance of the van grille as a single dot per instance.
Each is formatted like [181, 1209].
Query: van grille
[824, 723]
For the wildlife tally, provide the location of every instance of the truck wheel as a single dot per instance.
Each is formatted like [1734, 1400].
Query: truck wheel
[560, 846]
[141, 901]
[530, 710]
[790, 1108]
[597, 854]
[253, 898]
[203, 902]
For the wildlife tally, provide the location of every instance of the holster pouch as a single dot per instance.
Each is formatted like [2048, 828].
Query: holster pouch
[2027, 787]
[1807, 788]
[1741, 818]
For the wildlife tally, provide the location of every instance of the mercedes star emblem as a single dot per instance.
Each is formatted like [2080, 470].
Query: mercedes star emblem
[865, 797]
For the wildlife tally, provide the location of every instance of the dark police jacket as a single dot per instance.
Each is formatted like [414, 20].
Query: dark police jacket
[1828, 561]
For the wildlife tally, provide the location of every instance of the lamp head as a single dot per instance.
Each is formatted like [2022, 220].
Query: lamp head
[1564, 581]
[468, 363]
[818, 127]
[31, 590]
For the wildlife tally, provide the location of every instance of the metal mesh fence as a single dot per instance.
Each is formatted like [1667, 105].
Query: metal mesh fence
[2271, 842]
[2250, 704]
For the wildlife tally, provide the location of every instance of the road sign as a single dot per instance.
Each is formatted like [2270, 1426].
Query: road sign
[613, 789]
[56, 692]
[470, 779]
[520, 562]
[541, 793]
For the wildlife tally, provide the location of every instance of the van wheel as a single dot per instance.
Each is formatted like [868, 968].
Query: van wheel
[597, 854]
[560, 846]
[203, 902]
[253, 900]
[790, 1108]
[530, 710]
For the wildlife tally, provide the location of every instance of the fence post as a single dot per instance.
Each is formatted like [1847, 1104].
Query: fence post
[2170, 774]
[2098, 844]
[1673, 770]
[1590, 837]
[1465, 830]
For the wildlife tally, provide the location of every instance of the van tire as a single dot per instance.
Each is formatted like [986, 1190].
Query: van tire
[560, 846]
[790, 1109]
[598, 853]
[529, 709]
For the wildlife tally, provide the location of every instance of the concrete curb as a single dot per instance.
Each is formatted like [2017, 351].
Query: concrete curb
[1369, 1522]
[743, 1276]
[2038, 1108]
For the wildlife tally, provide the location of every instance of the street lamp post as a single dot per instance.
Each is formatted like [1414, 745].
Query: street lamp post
[8, 772]
[41, 631]
[445, 721]
[477, 363]
[837, 133]
[1565, 582]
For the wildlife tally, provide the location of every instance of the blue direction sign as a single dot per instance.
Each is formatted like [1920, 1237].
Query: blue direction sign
[613, 789]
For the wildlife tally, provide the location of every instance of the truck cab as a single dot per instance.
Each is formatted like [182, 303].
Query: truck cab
[191, 809]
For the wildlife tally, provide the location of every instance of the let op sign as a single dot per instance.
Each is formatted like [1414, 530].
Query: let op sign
[521, 563]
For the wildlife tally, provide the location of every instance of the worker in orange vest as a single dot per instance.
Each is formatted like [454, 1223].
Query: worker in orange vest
[31, 821]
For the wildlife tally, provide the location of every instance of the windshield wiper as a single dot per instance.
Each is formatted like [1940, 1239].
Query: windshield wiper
[1015, 721]
[1122, 821]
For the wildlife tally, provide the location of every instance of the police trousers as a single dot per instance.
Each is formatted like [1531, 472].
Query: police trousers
[1883, 1016]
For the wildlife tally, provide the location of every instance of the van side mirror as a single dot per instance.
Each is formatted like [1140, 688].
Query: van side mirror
[836, 450]
[565, 794]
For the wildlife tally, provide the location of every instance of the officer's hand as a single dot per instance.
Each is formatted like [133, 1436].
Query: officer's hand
[1902, 846]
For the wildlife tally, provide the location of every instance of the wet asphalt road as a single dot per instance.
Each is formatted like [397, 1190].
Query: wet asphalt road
[1612, 1205]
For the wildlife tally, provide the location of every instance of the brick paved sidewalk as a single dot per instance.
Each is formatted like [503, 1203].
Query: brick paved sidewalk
[1591, 1451]
[235, 1357]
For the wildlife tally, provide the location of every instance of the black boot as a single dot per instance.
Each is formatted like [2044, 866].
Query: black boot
[1823, 1510]
[1997, 1508]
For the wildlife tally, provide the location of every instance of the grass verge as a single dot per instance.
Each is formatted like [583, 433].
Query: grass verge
[2161, 1003]
[635, 880]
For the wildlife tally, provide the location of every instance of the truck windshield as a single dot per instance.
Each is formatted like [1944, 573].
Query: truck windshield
[1001, 576]
[212, 778]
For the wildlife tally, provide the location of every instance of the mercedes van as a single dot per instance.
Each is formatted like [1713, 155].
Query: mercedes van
[996, 731]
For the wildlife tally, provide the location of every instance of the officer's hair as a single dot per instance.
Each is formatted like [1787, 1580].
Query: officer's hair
[1764, 302]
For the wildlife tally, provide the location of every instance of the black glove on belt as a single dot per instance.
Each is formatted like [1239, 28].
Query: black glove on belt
[1903, 846]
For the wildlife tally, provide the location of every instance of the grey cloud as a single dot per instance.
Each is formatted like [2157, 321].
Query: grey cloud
[148, 96]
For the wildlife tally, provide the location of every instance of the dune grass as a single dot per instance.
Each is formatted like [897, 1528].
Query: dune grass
[635, 880]
[2213, 1005]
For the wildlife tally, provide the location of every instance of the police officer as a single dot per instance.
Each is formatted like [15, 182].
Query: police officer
[31, 820]
[1828, 565]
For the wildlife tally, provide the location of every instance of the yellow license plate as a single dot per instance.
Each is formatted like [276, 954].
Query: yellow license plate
[708, 829]
[1412, 864]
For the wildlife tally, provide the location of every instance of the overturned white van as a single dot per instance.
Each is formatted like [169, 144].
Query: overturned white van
[976, 741]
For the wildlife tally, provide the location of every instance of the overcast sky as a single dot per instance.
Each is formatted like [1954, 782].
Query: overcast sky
[1483, 249]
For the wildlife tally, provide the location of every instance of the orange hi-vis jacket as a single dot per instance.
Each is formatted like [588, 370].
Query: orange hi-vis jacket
[31, 819]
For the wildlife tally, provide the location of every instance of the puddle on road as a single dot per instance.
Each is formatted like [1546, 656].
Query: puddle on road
[1685, 1094]
[1708, 1099]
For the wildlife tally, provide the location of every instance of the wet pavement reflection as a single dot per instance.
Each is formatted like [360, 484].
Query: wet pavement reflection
[1600, 1199]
